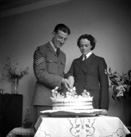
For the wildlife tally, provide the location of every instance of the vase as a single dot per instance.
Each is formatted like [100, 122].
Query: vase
[15, 86]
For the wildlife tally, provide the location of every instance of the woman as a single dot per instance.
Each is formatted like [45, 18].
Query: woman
[89, 72]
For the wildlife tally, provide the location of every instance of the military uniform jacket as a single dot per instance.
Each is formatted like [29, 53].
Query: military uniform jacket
[91, 75]
[49, 70]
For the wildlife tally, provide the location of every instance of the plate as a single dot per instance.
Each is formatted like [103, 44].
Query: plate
[78, 113]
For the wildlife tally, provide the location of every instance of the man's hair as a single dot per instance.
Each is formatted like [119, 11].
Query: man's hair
[88, 37]
[63, 28]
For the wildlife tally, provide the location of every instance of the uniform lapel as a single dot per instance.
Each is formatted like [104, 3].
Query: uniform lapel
[89, 60]
[51, 48]
[84, 64]
[80, 64]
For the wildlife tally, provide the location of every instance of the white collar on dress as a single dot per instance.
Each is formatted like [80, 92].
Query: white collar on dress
[87, 55]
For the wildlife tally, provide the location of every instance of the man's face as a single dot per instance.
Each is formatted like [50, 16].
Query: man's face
[85, 46]
[59, 38]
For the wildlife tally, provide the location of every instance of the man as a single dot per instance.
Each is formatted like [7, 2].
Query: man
[90, 72]
[49, 64]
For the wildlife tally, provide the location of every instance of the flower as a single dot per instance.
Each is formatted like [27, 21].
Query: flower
[11, 72]
[121, 84]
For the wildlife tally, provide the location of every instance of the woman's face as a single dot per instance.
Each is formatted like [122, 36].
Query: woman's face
[85, 46]
[59, 38]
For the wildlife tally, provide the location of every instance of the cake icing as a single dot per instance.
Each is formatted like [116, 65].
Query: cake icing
[71, 101]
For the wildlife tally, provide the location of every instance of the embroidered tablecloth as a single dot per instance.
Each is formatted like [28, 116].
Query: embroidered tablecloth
[98, 126]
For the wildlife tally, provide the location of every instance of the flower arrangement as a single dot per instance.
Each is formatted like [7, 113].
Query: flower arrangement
[12, 72]
[121, 84]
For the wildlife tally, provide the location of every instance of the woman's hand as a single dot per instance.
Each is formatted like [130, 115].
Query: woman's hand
[71, 81]
[103, 112]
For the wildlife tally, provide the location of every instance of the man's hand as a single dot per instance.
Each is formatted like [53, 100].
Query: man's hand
[66, 83]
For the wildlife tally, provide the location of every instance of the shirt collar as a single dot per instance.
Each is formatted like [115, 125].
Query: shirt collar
[53, 46]
[87, 55]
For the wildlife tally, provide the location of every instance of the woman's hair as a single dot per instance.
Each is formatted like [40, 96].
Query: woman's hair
[88, 37]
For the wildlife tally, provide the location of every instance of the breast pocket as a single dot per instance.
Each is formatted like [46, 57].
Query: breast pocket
[51, 65]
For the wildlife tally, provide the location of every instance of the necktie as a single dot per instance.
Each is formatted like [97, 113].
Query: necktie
[84, 57]
[58, 52]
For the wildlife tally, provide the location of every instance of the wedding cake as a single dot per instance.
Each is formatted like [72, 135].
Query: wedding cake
[71, 101]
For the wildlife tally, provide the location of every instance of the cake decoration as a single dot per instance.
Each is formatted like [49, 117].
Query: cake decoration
[71, 100]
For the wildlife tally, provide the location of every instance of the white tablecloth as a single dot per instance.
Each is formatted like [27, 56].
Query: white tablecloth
[100, 126]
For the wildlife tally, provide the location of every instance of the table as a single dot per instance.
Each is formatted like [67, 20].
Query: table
[28, 132]
[98, 126]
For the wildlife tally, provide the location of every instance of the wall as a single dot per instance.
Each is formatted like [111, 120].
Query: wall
[108, 21]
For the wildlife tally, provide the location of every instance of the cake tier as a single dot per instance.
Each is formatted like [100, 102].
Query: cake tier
[74, 104]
